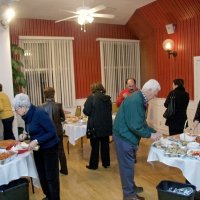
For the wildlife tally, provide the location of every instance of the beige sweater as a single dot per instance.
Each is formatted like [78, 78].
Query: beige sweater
[5, 106]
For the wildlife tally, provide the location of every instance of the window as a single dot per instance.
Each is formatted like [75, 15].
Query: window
[120, 59]
[48, 62]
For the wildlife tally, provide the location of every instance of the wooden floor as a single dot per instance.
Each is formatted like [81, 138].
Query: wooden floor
[104, 184]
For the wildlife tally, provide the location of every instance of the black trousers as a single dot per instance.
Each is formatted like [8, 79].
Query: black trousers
[7, 128]
[46, 161]
[173, 131]
[101, 143]
[62, 156]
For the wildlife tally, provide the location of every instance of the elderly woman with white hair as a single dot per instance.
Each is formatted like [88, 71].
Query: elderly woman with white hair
[129, 127]
[42, 132]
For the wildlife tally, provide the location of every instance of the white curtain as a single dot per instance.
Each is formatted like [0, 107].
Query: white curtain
[48, 62]
[120, 59]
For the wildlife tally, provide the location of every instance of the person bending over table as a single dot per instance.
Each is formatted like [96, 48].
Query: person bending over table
[129, 127]
[42, 132]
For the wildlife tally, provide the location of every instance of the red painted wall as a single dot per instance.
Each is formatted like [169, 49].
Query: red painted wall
[148, 25]
[86, 49]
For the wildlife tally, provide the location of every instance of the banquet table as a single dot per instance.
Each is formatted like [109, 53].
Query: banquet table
[190, 167]
[74, 131]
[21, 166]
[77, 130]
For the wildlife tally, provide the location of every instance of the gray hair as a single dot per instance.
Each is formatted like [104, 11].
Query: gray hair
[151, 84]
[21, 100]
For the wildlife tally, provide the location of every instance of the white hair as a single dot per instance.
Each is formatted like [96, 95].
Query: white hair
[21, 100]
[151, 84]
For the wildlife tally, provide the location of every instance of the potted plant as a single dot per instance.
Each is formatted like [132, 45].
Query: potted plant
[19, 80]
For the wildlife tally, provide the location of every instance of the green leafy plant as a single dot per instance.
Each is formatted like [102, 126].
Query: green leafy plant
[19, 80]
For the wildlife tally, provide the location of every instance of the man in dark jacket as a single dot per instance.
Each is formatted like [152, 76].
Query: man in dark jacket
[98, 108]
[57, 115]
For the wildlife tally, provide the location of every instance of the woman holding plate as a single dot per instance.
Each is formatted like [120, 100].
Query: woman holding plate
[42, 132]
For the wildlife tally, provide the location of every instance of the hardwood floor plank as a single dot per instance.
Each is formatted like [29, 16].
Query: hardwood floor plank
[104, 184]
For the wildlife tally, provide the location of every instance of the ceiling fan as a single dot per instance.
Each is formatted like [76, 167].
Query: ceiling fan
[85, 15]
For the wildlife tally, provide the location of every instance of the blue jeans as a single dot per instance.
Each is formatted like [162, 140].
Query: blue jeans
[126, 158]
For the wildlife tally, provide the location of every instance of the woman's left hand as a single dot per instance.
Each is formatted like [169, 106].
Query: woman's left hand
[32, 144]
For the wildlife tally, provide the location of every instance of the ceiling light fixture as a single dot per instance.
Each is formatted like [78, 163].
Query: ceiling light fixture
[84, 17]
[7, 16]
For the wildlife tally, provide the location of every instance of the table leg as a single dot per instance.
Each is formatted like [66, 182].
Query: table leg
[82, 142]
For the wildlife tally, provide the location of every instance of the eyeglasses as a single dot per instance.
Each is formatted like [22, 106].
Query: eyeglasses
[17, 109]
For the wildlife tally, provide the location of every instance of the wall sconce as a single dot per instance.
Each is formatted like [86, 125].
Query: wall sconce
[168, 45]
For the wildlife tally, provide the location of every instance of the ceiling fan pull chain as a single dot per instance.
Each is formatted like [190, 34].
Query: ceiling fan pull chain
[84, 28]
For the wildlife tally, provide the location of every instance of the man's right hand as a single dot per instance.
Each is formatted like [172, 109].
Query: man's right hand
[156, 136]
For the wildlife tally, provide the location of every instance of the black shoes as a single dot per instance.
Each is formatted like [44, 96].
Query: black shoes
[64, 172]
[138, 189]
[93, 168]
[134, 198]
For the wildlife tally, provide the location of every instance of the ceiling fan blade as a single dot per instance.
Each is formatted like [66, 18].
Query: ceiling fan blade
[60, 20]
[103, 15]
[97, 8]
[70, 11]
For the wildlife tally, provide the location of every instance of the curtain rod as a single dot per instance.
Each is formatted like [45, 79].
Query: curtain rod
[45, 38]
[116, 40]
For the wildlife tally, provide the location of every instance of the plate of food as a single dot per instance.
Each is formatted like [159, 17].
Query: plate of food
[6, 156]
[194, 153]
[5, 144]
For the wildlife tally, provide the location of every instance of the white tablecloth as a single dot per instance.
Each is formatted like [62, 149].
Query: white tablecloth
[189, 167]
[22, 165]
[74, 131]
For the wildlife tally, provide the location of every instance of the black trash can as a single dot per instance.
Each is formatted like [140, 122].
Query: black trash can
[164, 193]
[17, 189]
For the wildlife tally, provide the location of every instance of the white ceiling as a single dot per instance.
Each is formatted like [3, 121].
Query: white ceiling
[54, 9]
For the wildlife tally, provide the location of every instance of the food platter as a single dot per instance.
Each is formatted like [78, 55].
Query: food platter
[178, 148]
[6, 156]
[194, 153]
[7, 143]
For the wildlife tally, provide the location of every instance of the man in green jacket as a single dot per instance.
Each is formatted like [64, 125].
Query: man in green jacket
[129, 127]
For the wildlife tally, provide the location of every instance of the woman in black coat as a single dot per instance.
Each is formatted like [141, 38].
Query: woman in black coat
[98, 108]
[177, 121]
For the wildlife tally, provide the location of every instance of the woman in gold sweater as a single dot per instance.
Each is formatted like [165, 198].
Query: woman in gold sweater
[6, 115]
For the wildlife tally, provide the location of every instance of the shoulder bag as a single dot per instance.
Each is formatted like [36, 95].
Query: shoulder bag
[170, 111]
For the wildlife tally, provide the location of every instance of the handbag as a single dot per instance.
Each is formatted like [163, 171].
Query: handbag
[170, 111]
